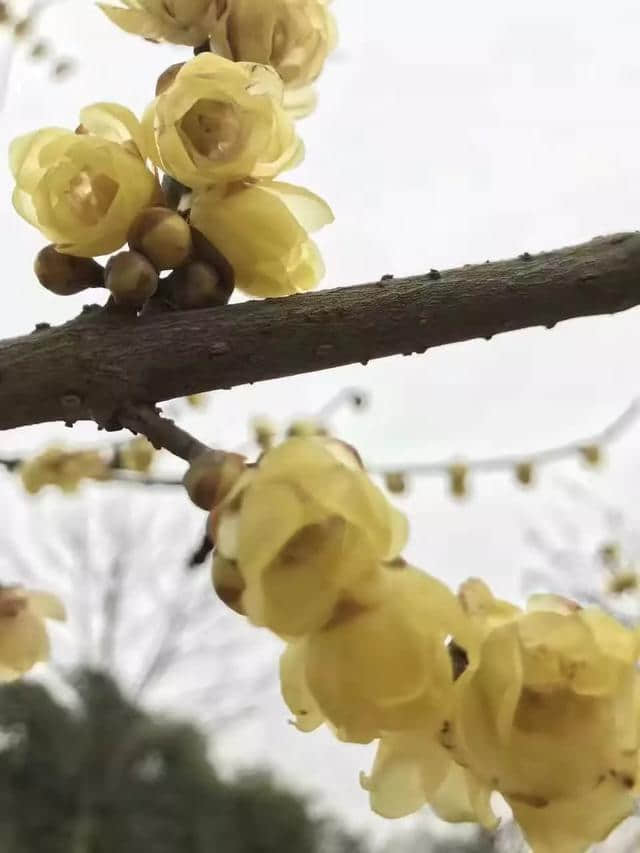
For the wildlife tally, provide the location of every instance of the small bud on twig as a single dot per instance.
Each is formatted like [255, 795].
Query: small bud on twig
[211, 475]
[458, 480]
[203, 250]
[66, 274]
[228, 583]
[396, 482]
[196, 285]
[525, 473]
[131, 278]
[162, 236]
[592, 455]
[167, 77]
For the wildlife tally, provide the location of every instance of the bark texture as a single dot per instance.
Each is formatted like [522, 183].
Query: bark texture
[101, 362]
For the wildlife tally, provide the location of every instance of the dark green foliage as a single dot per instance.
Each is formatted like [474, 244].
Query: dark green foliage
[107, 777]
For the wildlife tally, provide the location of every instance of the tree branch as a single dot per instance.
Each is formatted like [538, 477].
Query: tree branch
[535, 458]
[98, 364]
[161, 432]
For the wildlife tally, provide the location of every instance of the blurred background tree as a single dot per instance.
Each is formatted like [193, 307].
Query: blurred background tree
[104, 775]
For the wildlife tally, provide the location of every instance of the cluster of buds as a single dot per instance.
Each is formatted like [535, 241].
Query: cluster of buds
[68, 469]
[219, 132]
[466, 694]
[265, 432]
[24, 29]
[159, 240]
[65, 469]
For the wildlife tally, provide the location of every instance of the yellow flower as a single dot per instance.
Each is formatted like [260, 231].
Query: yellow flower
[411, 768]
[83, 190]
[221, 121]
[548, 717]
[137, 454]
[179, 21]
[294, 36]
[262, 230]
[23, 636]
[62, 468]
[384, 667]
[306, 528]
[295, 689]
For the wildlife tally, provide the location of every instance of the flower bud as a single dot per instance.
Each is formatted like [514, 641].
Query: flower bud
[162, 236]
[136, 455]
[228, 582]
[609, 554]
[396, 482]
[592, 454]
[203, 250]
[167, 77]
[458, 480]
[131, 278]
[211, 476]
[621, 582]
[264, 433]
[525, 473]
[66, 274]
[197, 285]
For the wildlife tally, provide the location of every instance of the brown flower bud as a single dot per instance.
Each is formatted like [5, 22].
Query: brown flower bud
[131, 278]
[525, 473]
[23, 27]
[62, 68]
[592, 454]
[66, 274]
[39, 49]
[458, 480]
[228, 583]
[196, 285]
[610, 555]
[167, 77]
[211, 475]
[161, 235]
[396, 482]
[203, 250]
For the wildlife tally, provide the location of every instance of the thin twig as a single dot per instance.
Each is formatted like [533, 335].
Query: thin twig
[163, 433]
[509, 461]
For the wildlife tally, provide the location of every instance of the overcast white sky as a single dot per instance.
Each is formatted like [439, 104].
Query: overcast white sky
[446, 134]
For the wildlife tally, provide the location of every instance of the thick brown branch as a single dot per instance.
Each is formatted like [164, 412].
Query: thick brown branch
[97, 364]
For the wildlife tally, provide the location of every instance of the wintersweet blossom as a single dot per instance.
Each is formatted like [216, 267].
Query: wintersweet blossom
[219, 121]
[23, 635]
[186, 22]
[62, 468]
[262, 229]
[306, 529]
[83, 190]
[548, 716]
[384, 666]
[294, 36]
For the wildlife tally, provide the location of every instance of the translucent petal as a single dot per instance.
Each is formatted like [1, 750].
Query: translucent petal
[461, 799]
[309, 209]
[46, 605]
[295, 690]
[408, 768]
[113, 122]
[300, 102]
